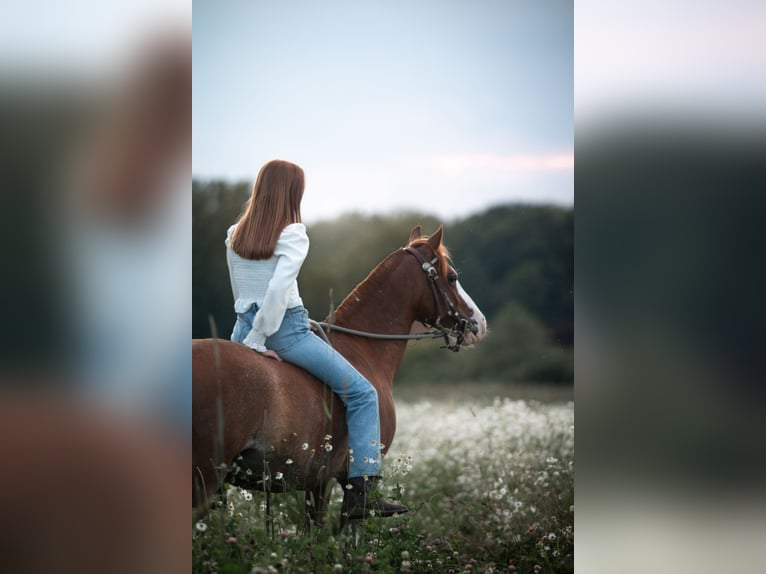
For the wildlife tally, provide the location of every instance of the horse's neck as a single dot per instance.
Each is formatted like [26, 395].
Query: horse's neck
[379, 304]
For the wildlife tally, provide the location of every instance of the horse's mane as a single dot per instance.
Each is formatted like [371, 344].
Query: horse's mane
[445, 259]
[443, 254]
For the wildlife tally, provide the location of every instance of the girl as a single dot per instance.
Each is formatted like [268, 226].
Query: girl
[265, 250]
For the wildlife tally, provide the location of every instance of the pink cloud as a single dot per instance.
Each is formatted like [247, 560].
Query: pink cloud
[510, 163]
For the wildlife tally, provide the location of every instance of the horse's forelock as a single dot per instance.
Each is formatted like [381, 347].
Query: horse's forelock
[445, 259]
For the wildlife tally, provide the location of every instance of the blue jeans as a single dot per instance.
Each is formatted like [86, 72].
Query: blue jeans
[295, 343]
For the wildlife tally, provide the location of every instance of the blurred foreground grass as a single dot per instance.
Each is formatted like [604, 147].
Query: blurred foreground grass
[490, 482]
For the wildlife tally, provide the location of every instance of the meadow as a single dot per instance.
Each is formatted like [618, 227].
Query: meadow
[489, 479]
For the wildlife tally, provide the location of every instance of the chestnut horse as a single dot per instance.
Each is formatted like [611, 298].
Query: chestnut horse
[262, 424]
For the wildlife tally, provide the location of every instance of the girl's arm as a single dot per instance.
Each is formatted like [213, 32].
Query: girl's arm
[291, 250]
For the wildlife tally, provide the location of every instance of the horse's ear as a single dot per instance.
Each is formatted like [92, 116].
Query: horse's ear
[435, 241]
[415, 233]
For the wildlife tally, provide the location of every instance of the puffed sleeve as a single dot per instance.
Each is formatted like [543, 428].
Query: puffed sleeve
[291, 250]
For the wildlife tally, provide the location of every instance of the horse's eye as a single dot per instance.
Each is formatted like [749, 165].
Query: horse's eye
[452, 279]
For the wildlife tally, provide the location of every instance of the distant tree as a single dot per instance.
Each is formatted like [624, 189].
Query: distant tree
[344, 250]
[215, 205]
[516, 261]
[523, 253]
[517, 349]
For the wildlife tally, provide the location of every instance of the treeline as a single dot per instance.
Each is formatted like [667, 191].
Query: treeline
[516, 262]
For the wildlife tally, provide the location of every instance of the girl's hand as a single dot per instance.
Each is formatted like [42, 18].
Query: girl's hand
[271, 354]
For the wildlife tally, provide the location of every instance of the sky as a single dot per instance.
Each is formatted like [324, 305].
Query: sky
[442, 107]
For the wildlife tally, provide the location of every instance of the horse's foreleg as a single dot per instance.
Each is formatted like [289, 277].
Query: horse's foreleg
[199, 492]
[316, 505]
[204, 484]
[353, 525]
[343, 521]
[268, 512]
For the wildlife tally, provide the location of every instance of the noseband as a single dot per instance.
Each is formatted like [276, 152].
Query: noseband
[455, 334]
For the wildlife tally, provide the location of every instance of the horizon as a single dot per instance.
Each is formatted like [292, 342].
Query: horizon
[402, 212]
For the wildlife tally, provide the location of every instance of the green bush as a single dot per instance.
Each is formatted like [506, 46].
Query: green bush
[515, 350]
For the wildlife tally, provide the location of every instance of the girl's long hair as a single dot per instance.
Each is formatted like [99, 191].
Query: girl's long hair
[274, 203]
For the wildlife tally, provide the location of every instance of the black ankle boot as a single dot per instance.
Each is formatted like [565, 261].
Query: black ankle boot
[358, 504]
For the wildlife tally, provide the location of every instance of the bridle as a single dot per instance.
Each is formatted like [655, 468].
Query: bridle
[453, 335]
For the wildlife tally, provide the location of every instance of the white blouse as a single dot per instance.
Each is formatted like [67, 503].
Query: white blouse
[269, 283]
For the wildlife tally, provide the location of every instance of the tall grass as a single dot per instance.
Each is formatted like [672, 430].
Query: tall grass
[491, 487]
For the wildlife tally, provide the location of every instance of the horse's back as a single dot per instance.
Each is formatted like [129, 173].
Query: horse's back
[238, 373]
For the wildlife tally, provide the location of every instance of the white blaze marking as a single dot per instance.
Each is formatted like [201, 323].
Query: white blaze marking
[477, 314]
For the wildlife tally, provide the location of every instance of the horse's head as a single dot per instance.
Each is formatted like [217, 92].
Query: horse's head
[444, 305]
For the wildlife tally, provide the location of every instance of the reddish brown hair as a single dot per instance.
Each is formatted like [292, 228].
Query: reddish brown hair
[274, 203]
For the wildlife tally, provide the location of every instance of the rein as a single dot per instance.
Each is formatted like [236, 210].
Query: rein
[333, 327]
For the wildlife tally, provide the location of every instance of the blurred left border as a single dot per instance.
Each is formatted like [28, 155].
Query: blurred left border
[95, 237]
